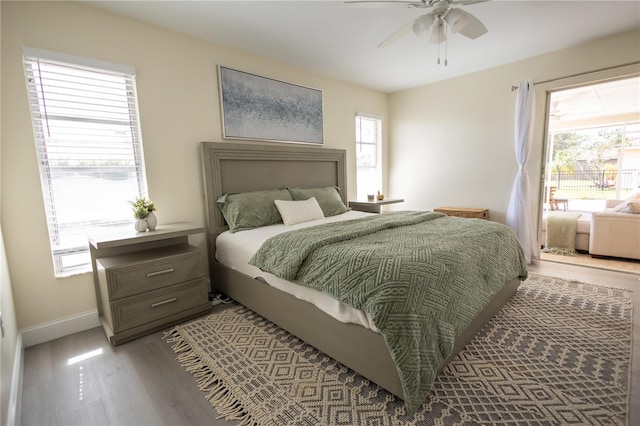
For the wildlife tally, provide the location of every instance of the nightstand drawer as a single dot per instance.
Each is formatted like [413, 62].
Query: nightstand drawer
[135, 274]
[144, 308]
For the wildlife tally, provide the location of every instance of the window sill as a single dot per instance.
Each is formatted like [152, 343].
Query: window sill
[71, 273]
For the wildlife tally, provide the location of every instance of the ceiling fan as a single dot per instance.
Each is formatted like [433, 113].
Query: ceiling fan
[559, 111]
[441, 17]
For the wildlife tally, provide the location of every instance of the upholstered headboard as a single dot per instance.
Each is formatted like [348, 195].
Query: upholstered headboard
[235, 167]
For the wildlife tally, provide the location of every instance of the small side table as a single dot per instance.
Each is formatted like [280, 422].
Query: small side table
[373, 206]
[464, 212]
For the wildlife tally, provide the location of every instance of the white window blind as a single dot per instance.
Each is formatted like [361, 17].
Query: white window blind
[89, 148]
[368, 154]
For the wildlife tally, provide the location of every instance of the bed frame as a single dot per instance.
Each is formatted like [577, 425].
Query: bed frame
[233, 167]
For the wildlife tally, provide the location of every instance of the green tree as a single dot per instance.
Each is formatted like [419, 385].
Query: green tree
[597, 150]
[566, 151]
[582, 151]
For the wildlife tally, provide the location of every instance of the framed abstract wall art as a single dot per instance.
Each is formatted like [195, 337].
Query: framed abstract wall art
[262, 108]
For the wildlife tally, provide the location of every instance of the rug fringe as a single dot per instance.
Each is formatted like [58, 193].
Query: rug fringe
[560, 251]
[217, 393]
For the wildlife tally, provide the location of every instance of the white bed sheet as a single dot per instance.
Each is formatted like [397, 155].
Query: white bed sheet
[236, 249]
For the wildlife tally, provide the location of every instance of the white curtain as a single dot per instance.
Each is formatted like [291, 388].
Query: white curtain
[520, 210]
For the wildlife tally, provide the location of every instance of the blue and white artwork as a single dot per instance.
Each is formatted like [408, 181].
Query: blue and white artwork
[261, 108]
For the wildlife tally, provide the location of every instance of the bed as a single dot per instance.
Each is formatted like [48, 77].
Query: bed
[240, 167]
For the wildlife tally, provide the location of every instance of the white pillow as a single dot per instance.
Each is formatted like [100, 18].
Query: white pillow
[293, 212]
[634, 206]
[622, 207]
[628, 207]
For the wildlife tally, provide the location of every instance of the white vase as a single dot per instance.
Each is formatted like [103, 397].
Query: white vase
[152, 221]
[140, 225]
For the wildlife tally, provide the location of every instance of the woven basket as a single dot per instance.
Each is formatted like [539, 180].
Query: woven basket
[464, 212]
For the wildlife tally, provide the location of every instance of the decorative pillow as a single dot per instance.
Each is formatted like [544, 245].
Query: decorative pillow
[293, 212]
[628, 206]
[248, 210]
[328, 198]
[622, 207]
[634, 206]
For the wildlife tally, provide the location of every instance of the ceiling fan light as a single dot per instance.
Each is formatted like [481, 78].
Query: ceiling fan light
[422, 24]
[438, 34]
[419, 28]
[457, 19]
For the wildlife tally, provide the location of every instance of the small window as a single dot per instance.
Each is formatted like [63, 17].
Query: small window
[85, 122]
[368, 154]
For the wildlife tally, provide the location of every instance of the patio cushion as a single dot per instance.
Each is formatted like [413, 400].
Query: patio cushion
[583, 225]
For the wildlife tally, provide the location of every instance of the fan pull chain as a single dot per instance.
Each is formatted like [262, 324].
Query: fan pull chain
[446, 42]
[439, 42]
[446, 45]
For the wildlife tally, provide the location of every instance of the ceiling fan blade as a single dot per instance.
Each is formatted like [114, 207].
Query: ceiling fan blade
[397, 34]
[384, 3]
[467, 2]
[456, 19]
[473, 28]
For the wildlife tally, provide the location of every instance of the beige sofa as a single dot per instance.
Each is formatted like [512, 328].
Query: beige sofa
[615, 234]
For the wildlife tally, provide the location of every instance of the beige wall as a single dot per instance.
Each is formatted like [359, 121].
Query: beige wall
[9, 344]
[10, 341]
[452, 141]
[179, 107]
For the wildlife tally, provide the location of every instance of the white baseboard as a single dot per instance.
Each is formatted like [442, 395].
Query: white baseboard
[59, 328]
[15, 396]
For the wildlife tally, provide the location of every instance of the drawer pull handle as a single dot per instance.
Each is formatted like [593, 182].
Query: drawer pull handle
[164, 302]
[164, 271]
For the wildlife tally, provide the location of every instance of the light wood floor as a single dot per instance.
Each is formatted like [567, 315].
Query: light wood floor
[582, 259]
[140, 383]
[136, 383]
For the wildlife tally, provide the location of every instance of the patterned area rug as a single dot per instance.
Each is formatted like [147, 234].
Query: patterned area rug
[558, 353]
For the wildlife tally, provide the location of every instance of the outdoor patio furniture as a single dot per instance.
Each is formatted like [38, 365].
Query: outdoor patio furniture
[615, 234]
[553, 201]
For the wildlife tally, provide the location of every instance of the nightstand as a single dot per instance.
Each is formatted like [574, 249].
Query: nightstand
[147, 281]
[373, 206]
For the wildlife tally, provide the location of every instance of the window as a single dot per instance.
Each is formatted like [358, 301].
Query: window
[368, 154]
[85, 123]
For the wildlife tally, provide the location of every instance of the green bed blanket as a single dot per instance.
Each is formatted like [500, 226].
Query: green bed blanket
[421, 276]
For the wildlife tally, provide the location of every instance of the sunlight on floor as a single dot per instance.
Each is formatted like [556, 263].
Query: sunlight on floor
[617, 264]
[78, 359]
[84, 356]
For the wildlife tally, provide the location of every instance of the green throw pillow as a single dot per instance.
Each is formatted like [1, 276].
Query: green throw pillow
[328, 198]
[248, 210]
